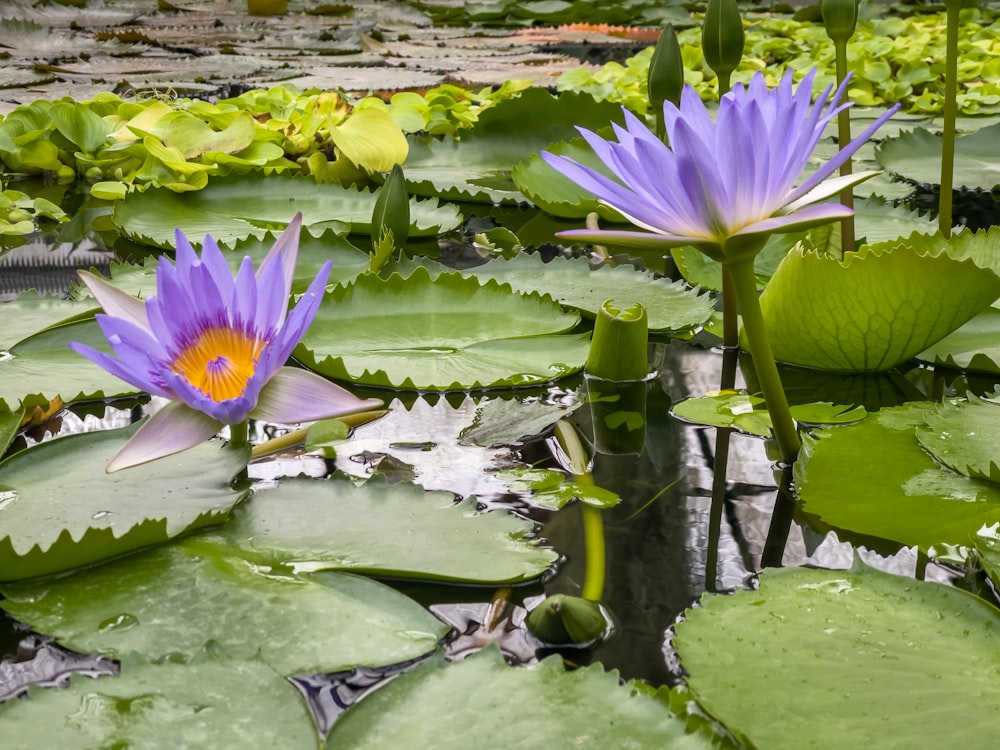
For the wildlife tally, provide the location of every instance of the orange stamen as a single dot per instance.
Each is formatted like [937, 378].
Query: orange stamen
[220, 362]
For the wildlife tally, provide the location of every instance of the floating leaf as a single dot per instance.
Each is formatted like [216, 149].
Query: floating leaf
[873, 478]
[974, 346]
[60, 510]
[916, 155]
[449, 332]
[987, 542]
[169, 602]
[670, 306]
[961, 435]
[396, 530]
[538, 706]
[741, 411]
[235, 208]
[869, 658]
[225, 705]
[877, 308]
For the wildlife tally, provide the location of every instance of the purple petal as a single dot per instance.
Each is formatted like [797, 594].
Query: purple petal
[173, 429]
[285, 252]
[302, 316]
[294, 395]
[114, 301]
[230, 411]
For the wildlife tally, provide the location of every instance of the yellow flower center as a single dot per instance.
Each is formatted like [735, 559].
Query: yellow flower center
[219, 363]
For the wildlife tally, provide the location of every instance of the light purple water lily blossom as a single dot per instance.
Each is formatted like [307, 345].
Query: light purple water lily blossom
[721, 186]
[216, 346]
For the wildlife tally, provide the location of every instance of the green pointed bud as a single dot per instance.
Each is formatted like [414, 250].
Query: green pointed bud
[618, 345]
[392, 210]
[562, 620]
[722, 38]
[840, 18]
[666, 70]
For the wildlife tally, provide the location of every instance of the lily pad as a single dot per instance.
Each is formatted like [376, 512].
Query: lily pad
[748, 414]
[873, 478]
[670, 306]
[449, 332]
[961, 435]
[877, 308]
[916, 155]
[60, 510]
[397, 530]
[868, 658]
[235, 208]
[171, 601]
[31, 312]
[974, 346]
[225, 705]
[538, 706]
[42, 366]
[987, 542]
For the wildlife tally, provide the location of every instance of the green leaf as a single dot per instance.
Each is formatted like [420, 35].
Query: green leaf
[84, 128]
[225, 705]
[973, 346]
[873, 478]
[396, 530]
[43, 366]
[371, 140]
[507, 421]
[324, 435]
[916, 155]
[533, 707]
[479, 166]
[961, 436]
[748, 414]
[987, 543]
[171, 601]
[861, 656]
[445, 333]
[60, 510]
[670, 306]
[873, 310]
[551, 489]
[193, 137]
[235, 208]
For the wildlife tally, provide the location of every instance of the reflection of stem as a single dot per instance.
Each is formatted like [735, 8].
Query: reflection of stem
[720, 467]
[593, 521]
[843, 138]
[950, 111]
[730, 324]
[763, 358]
[781, 522]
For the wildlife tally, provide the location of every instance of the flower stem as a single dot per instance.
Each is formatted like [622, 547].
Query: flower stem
[730, 324]
[952, 7]
[239, 434]
[847, 231]
[782, 423]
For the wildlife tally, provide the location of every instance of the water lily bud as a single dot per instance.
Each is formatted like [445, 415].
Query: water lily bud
[618, 345]
[840, 18]
[562, 620]
[666, 70]
[722, 37]
[392, 209]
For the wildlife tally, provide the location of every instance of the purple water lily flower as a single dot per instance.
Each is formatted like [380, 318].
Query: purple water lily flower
[216, 346]
[721, 186]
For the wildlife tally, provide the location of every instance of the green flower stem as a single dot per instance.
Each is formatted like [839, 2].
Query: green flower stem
[953, 7]
[843, 138]
[730, 322]
[785, 432]
[593, 522]
[239, 434]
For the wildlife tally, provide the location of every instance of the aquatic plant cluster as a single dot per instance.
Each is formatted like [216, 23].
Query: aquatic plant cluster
[249, 550]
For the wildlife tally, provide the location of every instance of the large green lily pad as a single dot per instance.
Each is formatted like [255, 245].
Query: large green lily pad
[916, 155]
[60, 510]
[962, 435]
[873, 478]
[860, 658]
[534, 707]
[235, 208]
[670, 306]
[171, 601]
[224, 705]
[877, 308]
[973, 346]
[397, 530]
[449, 332]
